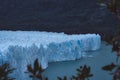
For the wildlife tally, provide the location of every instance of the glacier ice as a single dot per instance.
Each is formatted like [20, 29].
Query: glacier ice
[23, 47]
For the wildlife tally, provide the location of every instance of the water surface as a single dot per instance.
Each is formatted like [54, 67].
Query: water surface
[101, 58]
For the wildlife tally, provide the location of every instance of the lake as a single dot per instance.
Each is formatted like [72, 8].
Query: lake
[100, 58]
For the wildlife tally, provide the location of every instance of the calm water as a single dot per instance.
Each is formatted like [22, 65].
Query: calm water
[101, 58]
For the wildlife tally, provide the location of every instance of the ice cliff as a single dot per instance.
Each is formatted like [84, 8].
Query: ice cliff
[23, 47]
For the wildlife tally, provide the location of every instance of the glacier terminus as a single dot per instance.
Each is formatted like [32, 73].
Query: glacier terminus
[21, 48]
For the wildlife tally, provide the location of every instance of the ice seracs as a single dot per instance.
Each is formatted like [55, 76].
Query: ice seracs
[23, 47]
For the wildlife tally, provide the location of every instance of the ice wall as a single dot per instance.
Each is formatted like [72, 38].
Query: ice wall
[23, 47]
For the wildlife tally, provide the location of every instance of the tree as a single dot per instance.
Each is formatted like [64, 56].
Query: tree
[36, 72]
[113, 6]
[5, 70]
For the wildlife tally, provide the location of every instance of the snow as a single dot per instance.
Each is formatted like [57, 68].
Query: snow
[23, 47]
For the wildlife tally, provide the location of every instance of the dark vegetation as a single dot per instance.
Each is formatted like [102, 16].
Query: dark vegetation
[83, 72]
[5, 70]
[36, 71]
[114, 68]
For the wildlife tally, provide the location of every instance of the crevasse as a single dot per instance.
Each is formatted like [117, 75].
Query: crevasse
[21, 48]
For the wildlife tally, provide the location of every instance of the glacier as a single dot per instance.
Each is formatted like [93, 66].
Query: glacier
[21, 48]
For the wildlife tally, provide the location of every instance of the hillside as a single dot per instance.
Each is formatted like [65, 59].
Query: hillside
[69, 16]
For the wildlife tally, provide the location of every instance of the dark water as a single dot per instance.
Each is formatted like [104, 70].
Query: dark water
[101, 58]
[69, 16]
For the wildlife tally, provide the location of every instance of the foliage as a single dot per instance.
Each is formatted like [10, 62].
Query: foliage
[114, 68]
[5, 70]
[116, 74]
[112, 6]
[84, 72]
[36, 71]
[109, 67]
[115, 42]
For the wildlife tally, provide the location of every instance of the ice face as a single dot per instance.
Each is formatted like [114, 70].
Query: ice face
[21, 48]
